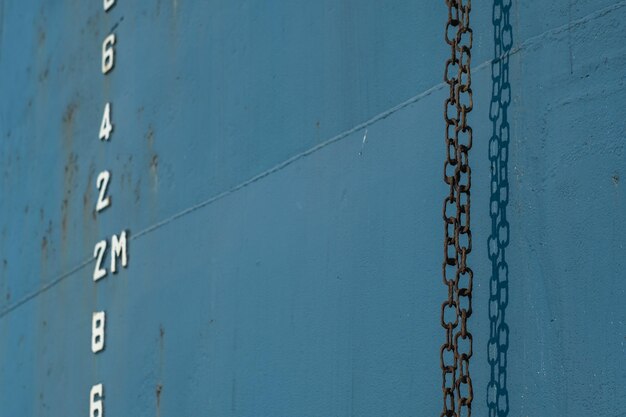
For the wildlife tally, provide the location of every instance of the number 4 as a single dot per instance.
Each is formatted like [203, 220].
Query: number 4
[106, 127]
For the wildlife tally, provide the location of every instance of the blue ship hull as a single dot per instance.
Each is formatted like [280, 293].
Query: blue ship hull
[277, 168]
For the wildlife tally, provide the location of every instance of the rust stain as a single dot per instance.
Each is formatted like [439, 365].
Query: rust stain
[43, 75]
[126, 179]
[154, 164]
[64, 215]
[154, 159]
[150, 137]
[68, 116]
[92, 26]
[45, 246]
[41, 37]
[90, 220]
[159, 389]
[70, 170]
[137, 191]
[161, 343]
[71, 165]
[174, 15]
[5, 264]
[89, 212]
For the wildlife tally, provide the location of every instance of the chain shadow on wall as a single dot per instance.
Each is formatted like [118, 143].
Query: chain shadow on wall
[497, 391]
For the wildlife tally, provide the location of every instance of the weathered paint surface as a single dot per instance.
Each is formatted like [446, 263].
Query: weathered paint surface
[278, 165]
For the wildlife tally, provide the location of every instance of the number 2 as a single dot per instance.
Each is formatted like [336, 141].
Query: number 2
[98, 253]
[102, 183]
[119, 254]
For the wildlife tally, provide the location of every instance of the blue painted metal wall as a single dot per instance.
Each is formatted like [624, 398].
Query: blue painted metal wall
[279, 167]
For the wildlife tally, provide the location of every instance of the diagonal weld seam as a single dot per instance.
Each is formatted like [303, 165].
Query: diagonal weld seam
[289, 161]
[528, 42]
[236, 188]
[44, 288]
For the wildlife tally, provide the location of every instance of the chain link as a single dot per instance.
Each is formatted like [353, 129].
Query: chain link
[497, 391]
[457, 349]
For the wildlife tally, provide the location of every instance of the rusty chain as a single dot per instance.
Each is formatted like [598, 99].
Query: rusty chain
[456, 351]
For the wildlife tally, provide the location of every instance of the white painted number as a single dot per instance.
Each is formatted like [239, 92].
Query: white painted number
[96, 408]
[118, 251]
[108, 4]
[118, 245]
[98, 253]
[108, 55]
[102, 183]
[106, 126]
[97, 331]
[118, 248]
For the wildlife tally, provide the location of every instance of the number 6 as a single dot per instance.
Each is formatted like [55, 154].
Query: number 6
[108, 53]
[95, 401]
